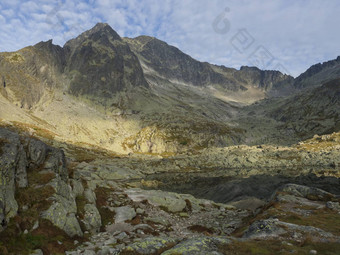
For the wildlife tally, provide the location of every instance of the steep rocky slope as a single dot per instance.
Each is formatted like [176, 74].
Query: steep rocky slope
[100, 64]
[292, 119]
[318, 74]
[162, 61]
[31, 73]
[316, 111]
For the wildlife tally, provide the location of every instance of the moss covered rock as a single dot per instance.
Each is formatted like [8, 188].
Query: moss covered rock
[152, 245]
[199, 246]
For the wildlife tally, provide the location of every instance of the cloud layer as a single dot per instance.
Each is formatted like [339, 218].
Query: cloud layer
[285, 34]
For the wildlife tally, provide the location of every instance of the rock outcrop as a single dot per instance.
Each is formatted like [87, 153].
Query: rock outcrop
[20, 156]
[13, 165]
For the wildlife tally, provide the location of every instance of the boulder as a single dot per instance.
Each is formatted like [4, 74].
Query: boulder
[62, 211]
[56, 162]
[305, 192]
[37, 252]
[77, 188]
[264, 229]
[63, 216]
[169, 201]
[333, 205]
[124, 213]
[273, 228]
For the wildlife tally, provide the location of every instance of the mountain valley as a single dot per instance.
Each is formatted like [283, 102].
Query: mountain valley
[112, 145]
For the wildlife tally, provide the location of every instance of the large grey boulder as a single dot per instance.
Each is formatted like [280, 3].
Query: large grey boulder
[62, 213]
[90, 196]
[37, 252]
[169, 201]
[56, 162]
[305, 192]
[124, 213]
[63, 210]
[264, 229]
[77, 187]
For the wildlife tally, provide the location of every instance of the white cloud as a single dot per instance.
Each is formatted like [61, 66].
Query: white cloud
[297, 33]
[2, 19]
[29, 7]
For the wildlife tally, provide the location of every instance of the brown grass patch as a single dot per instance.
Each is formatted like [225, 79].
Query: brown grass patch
[201, 229]
[2, 143]
[106, 215]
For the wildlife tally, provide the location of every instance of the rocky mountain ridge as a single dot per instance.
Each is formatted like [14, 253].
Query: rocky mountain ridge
[311, 77]
[163, 60]
[147, 96]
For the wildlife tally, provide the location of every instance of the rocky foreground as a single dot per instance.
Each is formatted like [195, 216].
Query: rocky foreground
[270, 201]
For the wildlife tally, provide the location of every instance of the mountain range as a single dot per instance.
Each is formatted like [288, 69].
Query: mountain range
[143, 95]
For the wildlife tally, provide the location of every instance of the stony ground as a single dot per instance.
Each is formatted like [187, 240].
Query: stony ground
[90, 202]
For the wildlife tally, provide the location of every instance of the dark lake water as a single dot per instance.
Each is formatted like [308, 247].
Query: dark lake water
[226, 189]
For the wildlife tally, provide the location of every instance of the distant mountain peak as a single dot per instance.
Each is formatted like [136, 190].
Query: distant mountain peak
[103, 28]
[316, 74]
[101, 25]
[100, 32]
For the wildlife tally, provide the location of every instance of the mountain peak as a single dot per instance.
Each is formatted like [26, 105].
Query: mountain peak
[104, 64]
[100, 32]
[103, 27]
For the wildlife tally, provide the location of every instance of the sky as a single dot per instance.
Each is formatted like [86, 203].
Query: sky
[285, 35]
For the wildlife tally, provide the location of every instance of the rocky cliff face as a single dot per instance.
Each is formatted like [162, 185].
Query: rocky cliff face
[274, 82]
[30, 166]
[169, 62]
[31, 73]
[100, 64]
[316, 111]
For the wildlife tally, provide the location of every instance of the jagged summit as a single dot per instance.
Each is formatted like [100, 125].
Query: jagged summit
[316, 74]
[101, 64]
[170, 63]
[101, 32]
